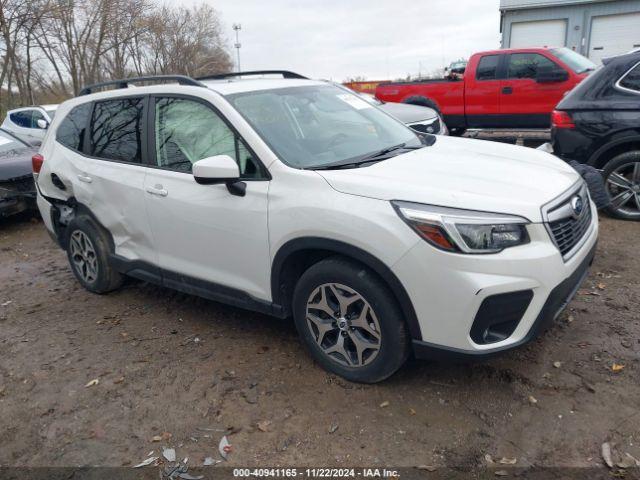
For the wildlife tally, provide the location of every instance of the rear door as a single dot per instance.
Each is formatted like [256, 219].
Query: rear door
[206, 237]
[482, 91]
[525, 103]
[108, 174]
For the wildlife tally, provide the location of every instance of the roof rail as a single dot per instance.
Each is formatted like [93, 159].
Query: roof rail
[222, 76]
[124, 82]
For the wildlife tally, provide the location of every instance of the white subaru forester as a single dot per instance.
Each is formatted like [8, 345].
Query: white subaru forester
[297, 198]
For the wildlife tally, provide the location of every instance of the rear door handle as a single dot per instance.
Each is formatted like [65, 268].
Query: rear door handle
[85, 178]
[507, 90]
[157, 190]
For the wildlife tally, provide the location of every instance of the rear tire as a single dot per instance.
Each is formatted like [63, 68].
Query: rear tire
[350, 321]
[622, 181]
[88, 253]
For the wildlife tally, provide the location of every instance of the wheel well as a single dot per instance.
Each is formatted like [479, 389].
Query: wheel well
[296, 257]
[292, 269]
[75, 210]
[421, 101]
[603, 157]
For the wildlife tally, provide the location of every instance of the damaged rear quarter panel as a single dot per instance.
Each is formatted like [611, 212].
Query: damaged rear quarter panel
[122, 184]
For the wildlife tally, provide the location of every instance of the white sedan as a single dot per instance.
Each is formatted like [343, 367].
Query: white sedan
[30, 123]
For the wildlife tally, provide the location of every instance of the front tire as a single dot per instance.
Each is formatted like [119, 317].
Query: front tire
[457, 132]
[350, 321]
[622, 181]
[88, 253]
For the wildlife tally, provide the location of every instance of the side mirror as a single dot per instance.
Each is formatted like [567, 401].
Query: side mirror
[551, 75]
[215, 170]
[42, 124]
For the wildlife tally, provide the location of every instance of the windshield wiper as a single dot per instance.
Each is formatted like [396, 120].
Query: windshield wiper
[386, 151]
[372, 158]
[340, 166]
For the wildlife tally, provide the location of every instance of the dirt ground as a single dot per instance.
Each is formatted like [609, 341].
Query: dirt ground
[189, 370]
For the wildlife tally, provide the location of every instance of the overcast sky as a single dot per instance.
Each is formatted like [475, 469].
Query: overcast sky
[379, 39]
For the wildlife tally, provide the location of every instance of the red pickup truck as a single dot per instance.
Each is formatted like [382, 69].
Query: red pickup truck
[516, 88]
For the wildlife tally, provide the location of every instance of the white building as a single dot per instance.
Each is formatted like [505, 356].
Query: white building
[594, 28]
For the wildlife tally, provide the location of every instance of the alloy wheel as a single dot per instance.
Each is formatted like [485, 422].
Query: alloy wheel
[623, 185]
[83, 256]
[343, 324]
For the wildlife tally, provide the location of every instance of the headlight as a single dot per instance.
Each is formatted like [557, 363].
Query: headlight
[464, 231]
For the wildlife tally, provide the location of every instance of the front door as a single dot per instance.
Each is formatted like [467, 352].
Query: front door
[205, 235]
[524, 102]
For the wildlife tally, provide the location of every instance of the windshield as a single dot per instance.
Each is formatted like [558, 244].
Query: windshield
[316, 126]
[8, 143]
[51, 113]
[573, 60]
[370, 98]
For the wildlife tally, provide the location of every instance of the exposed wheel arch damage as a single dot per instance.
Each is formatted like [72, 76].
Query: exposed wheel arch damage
[62, 212]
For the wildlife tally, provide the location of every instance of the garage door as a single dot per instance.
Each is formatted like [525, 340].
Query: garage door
[548, 33]
[614, 34]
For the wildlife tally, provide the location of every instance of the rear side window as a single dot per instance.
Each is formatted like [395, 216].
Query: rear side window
[116, 130]
[71, 131]
[488, 68]
[526, 65]
[22, 119]
[631, 80]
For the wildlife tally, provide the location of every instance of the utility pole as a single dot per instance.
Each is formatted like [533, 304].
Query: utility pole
[237, 27]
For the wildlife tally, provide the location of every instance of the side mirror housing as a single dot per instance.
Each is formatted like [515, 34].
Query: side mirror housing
[42, 124]
[551, 75]
[216, 170]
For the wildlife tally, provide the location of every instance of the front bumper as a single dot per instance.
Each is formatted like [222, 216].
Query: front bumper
[448, 291]
[556, 302]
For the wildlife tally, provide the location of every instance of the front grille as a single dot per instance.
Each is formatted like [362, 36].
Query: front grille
[568, 228]
[427, 127]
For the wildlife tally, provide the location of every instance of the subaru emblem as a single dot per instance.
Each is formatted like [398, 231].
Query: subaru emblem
[577, 204]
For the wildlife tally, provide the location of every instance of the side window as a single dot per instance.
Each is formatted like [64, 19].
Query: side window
[187, 131]
[21, 119]
[488, 68]
[36, 115]
[526, 65]
[632, 79]
[116, 130]
[71, 131]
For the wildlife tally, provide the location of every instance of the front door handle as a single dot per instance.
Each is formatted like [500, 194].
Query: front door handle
[507, 90]
[157, 190]
[84, 178]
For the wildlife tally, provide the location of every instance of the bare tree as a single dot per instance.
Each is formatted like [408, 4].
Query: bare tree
[51, 48]
[186, 41]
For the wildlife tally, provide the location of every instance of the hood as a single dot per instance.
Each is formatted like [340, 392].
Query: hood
[408, 113]
[463, 173]
[15, 164]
